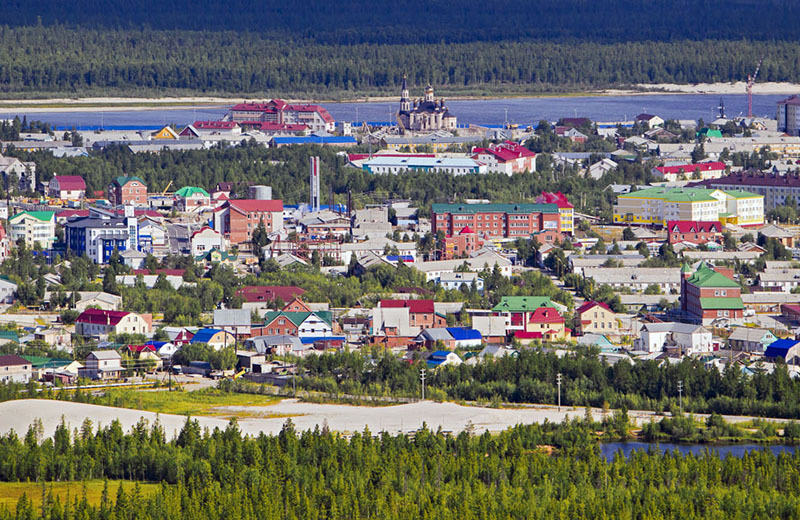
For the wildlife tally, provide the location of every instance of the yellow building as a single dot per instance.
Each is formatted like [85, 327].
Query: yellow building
[658, 205]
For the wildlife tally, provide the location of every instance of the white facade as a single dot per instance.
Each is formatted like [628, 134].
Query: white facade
[314, 327]
[693, 339]
[456, 280]
[207, 239]
[33, 230]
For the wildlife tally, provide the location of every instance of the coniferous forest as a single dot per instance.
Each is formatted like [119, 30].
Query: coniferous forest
[340, 49]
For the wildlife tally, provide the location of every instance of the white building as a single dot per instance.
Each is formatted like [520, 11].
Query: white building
[692, 339]
[452, 165]
[455, 281]
[207, 239]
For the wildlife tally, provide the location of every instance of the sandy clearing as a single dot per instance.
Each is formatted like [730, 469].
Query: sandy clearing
[19, 415]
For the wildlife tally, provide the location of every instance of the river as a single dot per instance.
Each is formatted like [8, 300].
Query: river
[521, 111]
[609, 449]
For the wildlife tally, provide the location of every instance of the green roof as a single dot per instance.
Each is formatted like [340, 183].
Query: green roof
[722, 303]
[707, 277]
[207, 255]
[298, 317]
[710, 132]
[522, 303]
[122, 180]
[672, 194]
[685, 268]
[44, 216]
[471, 209]
[9, 335]
[46, 362]
[741, 194]
[188, 191]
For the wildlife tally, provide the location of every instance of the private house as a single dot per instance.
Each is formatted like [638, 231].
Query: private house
[67, 187]
[35, 227]
[276, 345]
[544, 324]
[125, 190]
[8, 290]
[263, 297]
[600, 168]
[688, 338]
[233, 320]
[24, 172]
[707, 295]
[421, 313]
[596, 317]
[55, 337]
[443, 358]
[779, 279]
[507, 157]
[99, 300]
[518, 310]
[304, 325]
[694, 232]
[15, 369]
[200, 129]
[457, 281]
[651, 120]
[98, 322]
[165, 133]
[205, 239]
[449, 337]
[785, 237]
[192, 198]
[237, 220]
[215, 256]
[103, 365]
[216, 338]
[749, 339]
[786, 349]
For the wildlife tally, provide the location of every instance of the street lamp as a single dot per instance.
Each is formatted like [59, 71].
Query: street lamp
[422, 378]
[558, 382]
[680, 396]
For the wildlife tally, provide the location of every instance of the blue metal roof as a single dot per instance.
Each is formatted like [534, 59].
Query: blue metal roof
[461, 333]
[439, 354]
[780, 348]
[308, 341]
[204, 335]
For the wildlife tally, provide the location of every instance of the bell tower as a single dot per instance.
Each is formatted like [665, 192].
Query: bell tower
[405, 102]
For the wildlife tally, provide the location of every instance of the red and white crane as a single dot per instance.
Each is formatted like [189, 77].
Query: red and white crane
[750, 81]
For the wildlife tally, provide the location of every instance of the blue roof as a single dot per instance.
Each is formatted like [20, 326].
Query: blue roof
[204, 335]
[439, 354]
[461, 333]
[308, 341]
[156, 344]
[780, 348]
[315, 139]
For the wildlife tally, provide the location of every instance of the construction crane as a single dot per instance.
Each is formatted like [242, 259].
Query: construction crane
[165, 189]
[750, 81]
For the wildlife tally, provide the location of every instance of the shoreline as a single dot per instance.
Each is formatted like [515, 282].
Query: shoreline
[117, 103]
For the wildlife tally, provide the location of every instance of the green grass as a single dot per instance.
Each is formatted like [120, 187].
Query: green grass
[11, 492]
[208, 402]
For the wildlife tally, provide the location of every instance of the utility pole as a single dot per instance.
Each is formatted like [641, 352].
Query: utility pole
[558, 382]
[680, 396]
[422, 378]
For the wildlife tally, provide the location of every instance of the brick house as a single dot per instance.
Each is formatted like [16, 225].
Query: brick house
[261, 296]
[694, 231]
[544, 324]
[421, 312]
[127, 190]
[462, 244]
[238, 219]
[495, 220]
[708, 295]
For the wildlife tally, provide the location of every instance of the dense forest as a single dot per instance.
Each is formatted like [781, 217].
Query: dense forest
[587, 381]
[334, 50]
[321, 475]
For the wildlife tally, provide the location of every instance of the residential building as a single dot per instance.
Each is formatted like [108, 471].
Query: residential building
[15, 369]
[782, 235]
[421, 312]
[461, 244]
[34, 227]
[98, 322]
[8, 290]
[779, 279]
[24, 172]
[518, 310]
[304, 324]
[455, 281]
[565, 210]
[690, 339]
[236, 321]
[449, 337]
[786, 349]
[507, 157]
[494, 221]
[694, 232]
[651, 120]
[600, 168]
[103, 365]
[377, 246]
[192, 198]
[125, 190]
[476, 262]
[215, 338]
[199, 129]
[707, 295]
[636, 279]
[680, 172]
[67, 187]
[659, 205]
[789, 115]
[451, 165]
[750, 339]
[100, 234]
[425, 114]
[596, 317]
[205, 239]
[443, 358]
[316, 118]
[237, 219]
[543, 324]
[262, 297]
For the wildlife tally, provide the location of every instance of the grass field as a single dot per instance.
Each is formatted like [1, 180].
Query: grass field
[11, 492]
[209, 402]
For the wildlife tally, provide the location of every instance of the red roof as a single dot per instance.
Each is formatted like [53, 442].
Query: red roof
[253, 205]
[546, 315]
[691, 168]
[414, 306]
[203, 229]
[590, 305]
[280, 105]
[558, 198]
[507, 151]
[267, 293]
[323, 113]
[11, 360]
[466, 231]
[141, 348]
[268, 126]
[70, 182]
[361, 156]
[693, 226]
[215, 125]
[67, 213]
[101, 317]
[521, 334]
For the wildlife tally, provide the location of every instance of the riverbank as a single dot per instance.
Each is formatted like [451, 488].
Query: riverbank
[121, 103]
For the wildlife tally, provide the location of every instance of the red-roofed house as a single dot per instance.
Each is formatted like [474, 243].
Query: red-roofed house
[700, 171]
[462, 244]
[544, 324]
[67, 187]
[507, 157]
[316, 118]
[98, 322]
[205, 239]
[269, 128]
[694, 231]
[565, 209]
[261, 296]
[237, 219]
[421, 312]
[596, 317]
